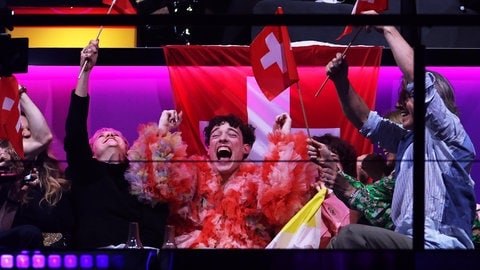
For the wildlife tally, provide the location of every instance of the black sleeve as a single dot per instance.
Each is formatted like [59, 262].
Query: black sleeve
[76, 145]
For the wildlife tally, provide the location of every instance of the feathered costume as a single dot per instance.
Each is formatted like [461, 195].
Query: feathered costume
[244, 212]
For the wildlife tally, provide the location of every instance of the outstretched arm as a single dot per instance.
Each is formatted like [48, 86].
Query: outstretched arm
[401, 50]
[353, 106]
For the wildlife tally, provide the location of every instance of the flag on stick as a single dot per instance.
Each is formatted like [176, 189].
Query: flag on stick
[364, 5]
[304, 229]
[315, 224]
[272, 60]
[121, 6]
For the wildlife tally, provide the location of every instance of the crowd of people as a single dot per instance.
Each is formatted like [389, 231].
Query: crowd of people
[224, 200]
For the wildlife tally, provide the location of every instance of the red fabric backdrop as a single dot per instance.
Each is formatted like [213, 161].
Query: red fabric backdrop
[210, 80]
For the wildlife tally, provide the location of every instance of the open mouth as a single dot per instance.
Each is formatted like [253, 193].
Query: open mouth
[404, 113]
[224, 153]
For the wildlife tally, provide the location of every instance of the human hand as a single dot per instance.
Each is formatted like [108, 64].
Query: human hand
[89, 55]
[378, 28]
[337, 68]
[318, 152]
[283, 123]
[169, 120]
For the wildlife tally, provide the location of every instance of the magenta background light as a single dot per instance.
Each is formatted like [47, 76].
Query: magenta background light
[54, 261]
[70, 261]
[123, 97]
[6, 261]
[38, 261]
[22, 261]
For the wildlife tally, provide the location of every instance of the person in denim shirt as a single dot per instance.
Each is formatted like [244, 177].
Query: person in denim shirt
[449, 193]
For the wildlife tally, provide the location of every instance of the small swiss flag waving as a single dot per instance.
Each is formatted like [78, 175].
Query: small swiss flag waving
[364, 5]
[272, 60]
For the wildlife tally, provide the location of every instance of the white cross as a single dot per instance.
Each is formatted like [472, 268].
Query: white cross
[7, 104]
[274, 55]
[261, 114]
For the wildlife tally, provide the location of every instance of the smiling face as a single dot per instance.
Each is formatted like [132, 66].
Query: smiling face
[405, 105]
[227, 149]
[109, 145]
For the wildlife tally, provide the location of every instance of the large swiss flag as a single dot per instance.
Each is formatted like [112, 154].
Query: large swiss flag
[211, 80]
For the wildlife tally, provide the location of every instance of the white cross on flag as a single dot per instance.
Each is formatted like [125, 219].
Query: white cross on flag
[272, 59]
[218, 80]
[364, 5]
[10, 113]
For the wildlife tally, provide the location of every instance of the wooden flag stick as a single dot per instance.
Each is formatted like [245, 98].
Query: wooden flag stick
[343, 54]
[98, 36]
[303, 109]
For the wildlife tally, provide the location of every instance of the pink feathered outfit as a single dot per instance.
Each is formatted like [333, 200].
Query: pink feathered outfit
[245, 212]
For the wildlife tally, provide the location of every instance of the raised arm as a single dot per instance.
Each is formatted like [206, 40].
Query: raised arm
[353, 106]
[89, 55]
[401, 50]
[37, 135]
[169, 119]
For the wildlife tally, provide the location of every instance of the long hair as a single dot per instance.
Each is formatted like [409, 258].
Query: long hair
[444, 89]
[51, 177]
[446, 92]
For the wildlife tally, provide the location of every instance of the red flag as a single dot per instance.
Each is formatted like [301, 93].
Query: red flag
[10, 113]
[272, 60]
[224, 84]
[364, 5]
[121, 6]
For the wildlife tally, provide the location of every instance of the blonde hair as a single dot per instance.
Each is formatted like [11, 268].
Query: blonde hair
[51, 178]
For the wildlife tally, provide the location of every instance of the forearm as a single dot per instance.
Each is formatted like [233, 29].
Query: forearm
[76, 136]
[81, 89]
[401, 50]
[41, 135]
[353, 106]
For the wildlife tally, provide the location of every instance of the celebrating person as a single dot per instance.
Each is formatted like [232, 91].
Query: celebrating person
[102, 204]
[222, 200]
[449, 194]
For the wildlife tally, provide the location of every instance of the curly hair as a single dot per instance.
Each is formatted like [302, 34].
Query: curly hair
[248, 131]
[345, 151]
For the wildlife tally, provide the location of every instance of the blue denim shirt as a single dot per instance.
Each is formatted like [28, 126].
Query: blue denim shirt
[449, 153]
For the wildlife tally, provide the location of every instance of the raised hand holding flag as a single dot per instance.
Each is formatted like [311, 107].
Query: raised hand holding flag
[364, 5]
[112, 5]
[272, 60]
[359, 7]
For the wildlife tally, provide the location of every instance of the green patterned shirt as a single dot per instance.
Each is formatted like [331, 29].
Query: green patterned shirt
[373, 200]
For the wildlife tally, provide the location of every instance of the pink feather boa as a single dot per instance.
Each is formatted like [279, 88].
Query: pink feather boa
[245, 212]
